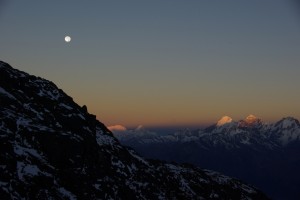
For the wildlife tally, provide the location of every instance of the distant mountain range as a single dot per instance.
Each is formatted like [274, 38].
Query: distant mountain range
[52, 148]
[266, 155]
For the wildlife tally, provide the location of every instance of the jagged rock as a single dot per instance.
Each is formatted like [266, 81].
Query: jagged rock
[84, 108]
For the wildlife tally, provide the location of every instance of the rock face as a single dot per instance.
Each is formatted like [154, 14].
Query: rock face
[51, 148]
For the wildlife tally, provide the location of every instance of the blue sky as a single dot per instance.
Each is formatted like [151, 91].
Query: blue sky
[161, 63]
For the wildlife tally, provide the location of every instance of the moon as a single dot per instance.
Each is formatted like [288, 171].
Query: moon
[68, 39]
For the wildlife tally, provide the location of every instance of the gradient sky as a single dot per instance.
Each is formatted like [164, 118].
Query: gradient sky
[161, 63]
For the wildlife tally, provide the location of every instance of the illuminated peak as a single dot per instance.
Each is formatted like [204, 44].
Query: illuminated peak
[117, 128]
[251, 118]
[224, 120]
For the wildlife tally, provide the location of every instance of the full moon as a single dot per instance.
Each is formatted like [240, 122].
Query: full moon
[68, 39]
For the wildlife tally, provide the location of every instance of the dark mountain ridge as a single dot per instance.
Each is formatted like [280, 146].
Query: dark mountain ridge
[51, 148]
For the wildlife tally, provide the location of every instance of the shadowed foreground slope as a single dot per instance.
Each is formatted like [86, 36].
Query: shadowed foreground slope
[51, 148]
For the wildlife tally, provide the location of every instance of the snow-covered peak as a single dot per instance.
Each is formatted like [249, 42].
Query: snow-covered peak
[287, 130]
[117, 128]
[251, 118]
[250, 121]
[140, 128]
[139, 133]
[143, 132]
[287, 123]
[224, 120]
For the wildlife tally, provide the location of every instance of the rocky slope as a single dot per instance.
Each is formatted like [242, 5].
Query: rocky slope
[51, 148]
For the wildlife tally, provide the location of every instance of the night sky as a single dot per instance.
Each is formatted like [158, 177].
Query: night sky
[161, 63]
